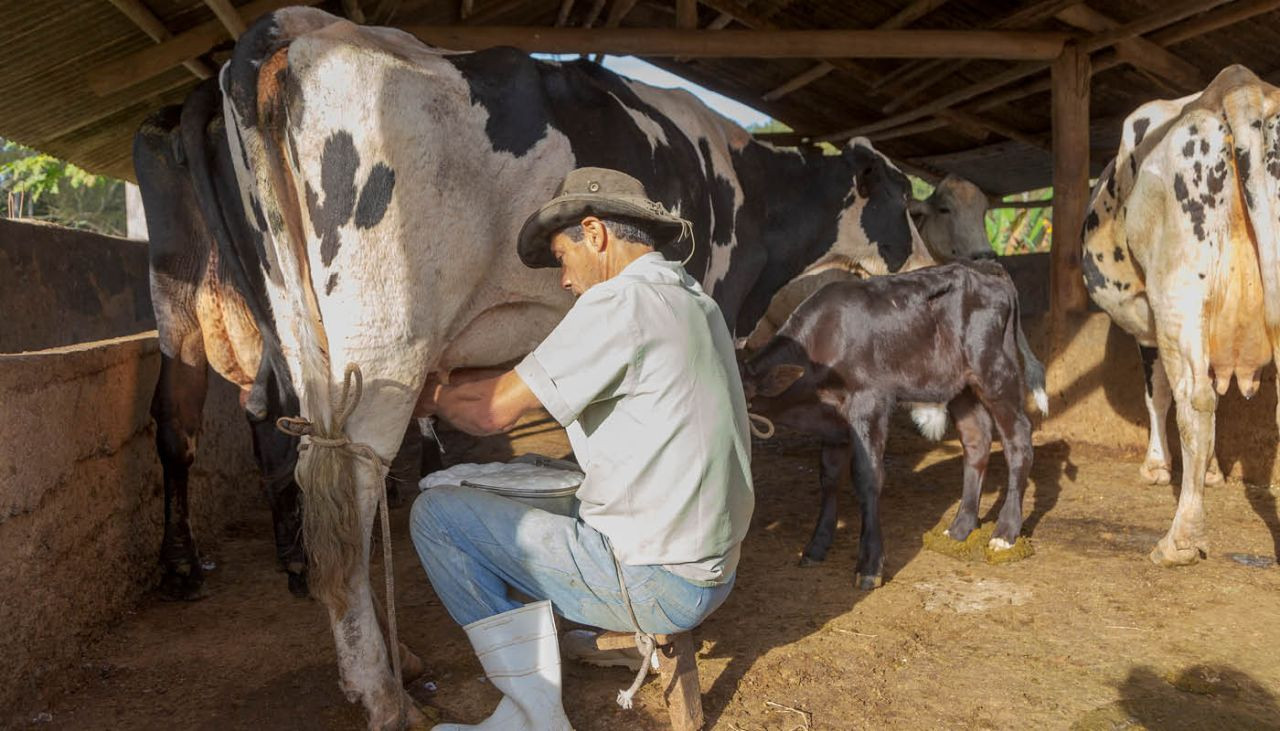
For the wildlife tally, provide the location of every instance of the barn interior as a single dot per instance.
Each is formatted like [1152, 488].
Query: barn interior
[1014, 95]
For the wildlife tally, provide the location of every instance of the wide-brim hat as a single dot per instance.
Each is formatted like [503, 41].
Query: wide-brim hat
[602, 193]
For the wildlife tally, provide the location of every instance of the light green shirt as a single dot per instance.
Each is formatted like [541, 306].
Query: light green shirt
[644, 364]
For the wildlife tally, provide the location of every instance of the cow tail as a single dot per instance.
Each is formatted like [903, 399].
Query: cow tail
[254, 85]
[1032, 368]
[1255, 145]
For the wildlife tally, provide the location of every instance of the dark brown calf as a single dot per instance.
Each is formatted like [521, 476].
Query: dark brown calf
[947, 334]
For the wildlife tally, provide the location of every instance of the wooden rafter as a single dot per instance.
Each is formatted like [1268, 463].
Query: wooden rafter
[351, 9]
[1139, 52]
[617, 12]
[497, 10]
[751, 44]
[1027, 17]
[562, 17]
[1166, 17]
[901, 19]
[593, 14]
[151, 62]
[142, 17]
[228, 16]
[687, 14]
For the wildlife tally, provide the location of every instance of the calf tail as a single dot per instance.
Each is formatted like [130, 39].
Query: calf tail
[1032, 368]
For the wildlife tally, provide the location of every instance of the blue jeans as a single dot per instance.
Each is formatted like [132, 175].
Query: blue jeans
[474, 544]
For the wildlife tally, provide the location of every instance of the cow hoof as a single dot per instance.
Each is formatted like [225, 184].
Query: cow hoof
[961, 527]
[1213, 476]
[807, 561]
[298, 585]
[1168, 555]
[411, 666]
[180, 584]
[867, 583]
[999, 544]
[1155, 473]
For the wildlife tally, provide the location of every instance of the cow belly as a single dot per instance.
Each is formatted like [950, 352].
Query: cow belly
[1236, 330]
[500, 335]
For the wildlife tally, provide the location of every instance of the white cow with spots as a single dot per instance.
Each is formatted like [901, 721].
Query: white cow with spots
[392, 180]
[1180, 248]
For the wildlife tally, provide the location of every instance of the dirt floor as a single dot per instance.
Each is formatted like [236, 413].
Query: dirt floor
[1086, 633]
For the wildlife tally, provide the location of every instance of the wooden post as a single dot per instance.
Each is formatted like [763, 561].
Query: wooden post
[1070, 87]
[678, 667]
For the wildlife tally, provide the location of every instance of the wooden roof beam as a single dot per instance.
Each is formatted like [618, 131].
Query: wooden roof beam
[227, 15]
[562, 17]
[1026, 18]
[151, 62]
[901, 19]
[142, 17]
[687, 14]
[1178, 12]
[752, 44]
[1137, 51]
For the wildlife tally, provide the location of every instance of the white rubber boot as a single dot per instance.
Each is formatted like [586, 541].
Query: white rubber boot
[520, 655]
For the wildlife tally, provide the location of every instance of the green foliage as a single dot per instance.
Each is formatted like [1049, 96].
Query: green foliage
[36, 185]
[1021, 230]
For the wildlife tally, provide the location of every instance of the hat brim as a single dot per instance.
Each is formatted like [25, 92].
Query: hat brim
[534, 241]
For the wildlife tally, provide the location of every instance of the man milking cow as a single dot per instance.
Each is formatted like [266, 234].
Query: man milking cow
[642, 372]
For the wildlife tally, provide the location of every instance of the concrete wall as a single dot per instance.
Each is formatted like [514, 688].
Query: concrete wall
[81, 504]
[59, 286]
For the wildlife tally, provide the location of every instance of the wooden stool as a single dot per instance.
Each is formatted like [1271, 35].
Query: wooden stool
[678, 668]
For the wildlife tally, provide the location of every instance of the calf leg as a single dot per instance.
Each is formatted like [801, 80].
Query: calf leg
[1005, 405]
[974, 424]
[833, 475]
[177, 407]
[869, 422]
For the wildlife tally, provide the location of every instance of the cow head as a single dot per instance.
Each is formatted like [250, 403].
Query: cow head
[952, 221]
[875, 227]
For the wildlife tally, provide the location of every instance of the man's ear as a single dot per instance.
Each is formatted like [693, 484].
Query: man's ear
[595, 234]
[779, 379]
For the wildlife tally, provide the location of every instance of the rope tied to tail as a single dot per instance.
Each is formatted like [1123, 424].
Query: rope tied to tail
[760, 425]
[335, 437]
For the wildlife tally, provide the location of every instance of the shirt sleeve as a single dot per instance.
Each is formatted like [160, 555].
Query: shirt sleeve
[586, 358]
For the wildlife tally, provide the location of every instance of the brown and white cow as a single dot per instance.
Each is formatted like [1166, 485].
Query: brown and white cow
[1180, 249]
[952, 221]
[393, 178]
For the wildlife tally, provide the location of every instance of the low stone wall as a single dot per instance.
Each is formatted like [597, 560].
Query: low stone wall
[81, 498]
[59, 286]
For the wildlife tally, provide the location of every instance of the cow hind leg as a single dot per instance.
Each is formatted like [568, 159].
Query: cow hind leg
[277, 455]
[1185, 543]
[870, 428]
[178, 406]
[1004, 402]
[974, 424]
[834, 471]
[1157, 468]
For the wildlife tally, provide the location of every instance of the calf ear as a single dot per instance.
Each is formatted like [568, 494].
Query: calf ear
[779, 379]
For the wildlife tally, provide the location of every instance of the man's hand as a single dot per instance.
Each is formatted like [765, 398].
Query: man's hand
[478, 401]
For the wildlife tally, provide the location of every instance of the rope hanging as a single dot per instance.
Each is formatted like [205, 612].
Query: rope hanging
[760, 425]
[336, 438]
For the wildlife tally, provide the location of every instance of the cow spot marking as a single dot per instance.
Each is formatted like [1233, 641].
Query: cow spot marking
[338, 165]
[331, 283]
[1118, 254]
[1140, 127]
[1093, 277]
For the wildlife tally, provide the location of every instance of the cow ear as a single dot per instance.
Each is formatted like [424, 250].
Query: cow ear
[779, 379]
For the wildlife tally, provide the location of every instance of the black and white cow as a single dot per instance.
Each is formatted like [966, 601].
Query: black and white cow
[207, 315]
[212, 311]
[1182, 250]
[393, 178]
